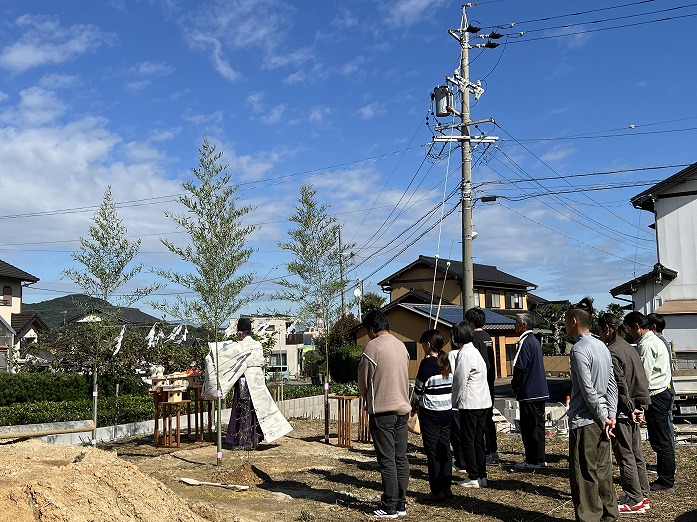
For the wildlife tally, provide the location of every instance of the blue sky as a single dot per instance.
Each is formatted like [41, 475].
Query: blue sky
[337, 94]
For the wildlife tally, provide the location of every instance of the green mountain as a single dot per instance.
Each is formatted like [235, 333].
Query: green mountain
[55, 311]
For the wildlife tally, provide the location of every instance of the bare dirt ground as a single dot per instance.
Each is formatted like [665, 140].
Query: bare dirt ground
[298, 478]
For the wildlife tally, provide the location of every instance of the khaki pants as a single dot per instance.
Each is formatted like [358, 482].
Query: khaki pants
[590, 466]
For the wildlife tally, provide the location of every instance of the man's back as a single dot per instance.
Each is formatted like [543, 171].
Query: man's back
[383, 375]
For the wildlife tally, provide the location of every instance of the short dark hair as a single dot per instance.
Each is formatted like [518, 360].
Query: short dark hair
[376, 321]
[582, 312]
[657, 321]
[462, 334]
[637, 318]
[244, 324]
[476, 316]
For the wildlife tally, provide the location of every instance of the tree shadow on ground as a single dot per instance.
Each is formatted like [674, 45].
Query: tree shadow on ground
[299, 489]
[526, 487]
[478, 507]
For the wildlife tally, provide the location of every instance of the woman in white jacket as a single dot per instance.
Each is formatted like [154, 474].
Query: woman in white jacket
[472, 398]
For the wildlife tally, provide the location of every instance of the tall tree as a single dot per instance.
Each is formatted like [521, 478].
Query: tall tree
[107, 256]
[371, 301]
[314, 282]
[216, 250]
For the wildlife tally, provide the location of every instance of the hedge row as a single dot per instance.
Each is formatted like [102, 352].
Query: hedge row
[62, 399]
[17, 388]
[132, 408]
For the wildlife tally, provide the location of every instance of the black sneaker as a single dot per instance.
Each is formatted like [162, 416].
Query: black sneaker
[657, 486]
[381, 512]
[401, 508]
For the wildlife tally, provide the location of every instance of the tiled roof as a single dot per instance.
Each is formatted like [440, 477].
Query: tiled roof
[483, 274]
[659, 273]
[451, 314]
[7, 270]
[22, 321]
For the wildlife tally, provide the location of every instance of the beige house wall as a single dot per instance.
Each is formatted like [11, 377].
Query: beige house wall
[410, 327]
[15, 305]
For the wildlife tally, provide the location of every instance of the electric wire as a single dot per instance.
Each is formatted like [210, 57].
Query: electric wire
[567, 181]
[570, 237]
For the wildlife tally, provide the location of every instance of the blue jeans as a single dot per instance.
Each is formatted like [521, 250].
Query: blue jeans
[389, 433]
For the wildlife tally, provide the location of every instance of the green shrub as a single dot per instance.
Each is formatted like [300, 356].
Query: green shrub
[132, 408]
[19, 388]
[343, 362]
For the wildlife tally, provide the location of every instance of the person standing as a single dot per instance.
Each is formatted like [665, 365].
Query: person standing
[633, 400]
[654, 358]
[432, 397]
[243, 430]
[471, 397]
[529, 385]
[592, 413]
[455, 430]
[476, 319]
[383, 383]
[657, 324]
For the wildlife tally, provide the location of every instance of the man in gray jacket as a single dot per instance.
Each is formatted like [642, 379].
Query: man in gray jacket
[592, 413]
[383, 382]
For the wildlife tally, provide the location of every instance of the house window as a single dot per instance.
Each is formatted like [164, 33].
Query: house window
[411, 348]
[493, 299]
[278, 359]
[476, 298]
[514, 300]
[6, 296]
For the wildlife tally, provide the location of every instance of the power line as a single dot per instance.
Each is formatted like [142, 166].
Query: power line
[571, 237]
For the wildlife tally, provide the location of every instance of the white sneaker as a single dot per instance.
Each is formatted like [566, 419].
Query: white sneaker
[458, 470]
[483, 483]
[468, 483]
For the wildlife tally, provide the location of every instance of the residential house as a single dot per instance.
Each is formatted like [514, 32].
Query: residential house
[670, 287]
[17, 330]
[124, 315]
[416, 302]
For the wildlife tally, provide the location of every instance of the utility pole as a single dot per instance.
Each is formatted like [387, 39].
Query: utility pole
[466, 189]
[444, 106]
[341, 272]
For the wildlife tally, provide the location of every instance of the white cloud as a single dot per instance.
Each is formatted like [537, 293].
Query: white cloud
[557, 153]
[409, 12]
[37, 106]
[368, 112]
[46, 42]
[151, 68]
[57, 81]
[319, 115]
[273, 115]
[3, 96]
[345, 18]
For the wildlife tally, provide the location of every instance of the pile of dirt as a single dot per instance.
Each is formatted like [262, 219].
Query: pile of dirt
[47, 482]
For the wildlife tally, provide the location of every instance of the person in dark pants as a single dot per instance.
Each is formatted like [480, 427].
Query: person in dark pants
[633, 400]
[654, 358]
[529, 385]
[455, 442]
[476, 319]
[383, 383]
[432, 398]
[657, 324]
[471, 397]
[592, 414]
